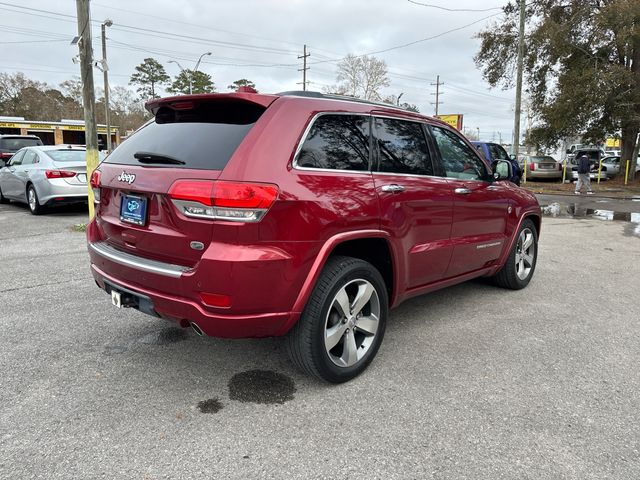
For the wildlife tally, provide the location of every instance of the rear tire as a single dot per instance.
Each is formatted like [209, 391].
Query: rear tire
[334, 345]
[518, 270]
[32, 200]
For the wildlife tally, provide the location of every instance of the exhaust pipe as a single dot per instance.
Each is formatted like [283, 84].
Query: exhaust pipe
[196, 328]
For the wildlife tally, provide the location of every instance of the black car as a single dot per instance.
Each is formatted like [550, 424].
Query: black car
[10, 144]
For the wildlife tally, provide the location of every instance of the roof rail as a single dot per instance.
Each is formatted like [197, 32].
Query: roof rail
[332, 96]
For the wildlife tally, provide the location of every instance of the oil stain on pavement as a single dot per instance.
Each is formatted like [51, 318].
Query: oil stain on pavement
[261, 386]
[213, 405]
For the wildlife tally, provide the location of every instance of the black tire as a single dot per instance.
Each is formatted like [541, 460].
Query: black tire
[512, 275]
[34, 207]
[306, 343]
[3, 199]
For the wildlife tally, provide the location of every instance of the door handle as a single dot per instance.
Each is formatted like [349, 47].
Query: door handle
[393, 188]
[462, 191]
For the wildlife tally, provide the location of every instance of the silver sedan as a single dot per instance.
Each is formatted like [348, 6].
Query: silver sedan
[45, 176]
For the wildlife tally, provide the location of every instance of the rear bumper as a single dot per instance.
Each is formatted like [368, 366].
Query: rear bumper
[58, 190]
[214, 324]
[544, 174]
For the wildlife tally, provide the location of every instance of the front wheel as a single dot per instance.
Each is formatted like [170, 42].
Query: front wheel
[3, 199]
[517, 272]
[342, 326]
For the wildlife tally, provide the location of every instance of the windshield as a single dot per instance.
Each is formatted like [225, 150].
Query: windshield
[67, 155]
[203, 138]
[15, 144]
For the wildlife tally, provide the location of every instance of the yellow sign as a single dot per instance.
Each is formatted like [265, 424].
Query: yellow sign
[9, 125]
[614, 143]
[454, 120]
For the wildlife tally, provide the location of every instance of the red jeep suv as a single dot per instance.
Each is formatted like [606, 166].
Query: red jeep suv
[301, 215]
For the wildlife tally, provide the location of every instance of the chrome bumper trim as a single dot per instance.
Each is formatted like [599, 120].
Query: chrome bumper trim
[139, 263]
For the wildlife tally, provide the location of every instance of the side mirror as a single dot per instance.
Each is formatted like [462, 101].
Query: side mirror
[502, 170]
[568, 150]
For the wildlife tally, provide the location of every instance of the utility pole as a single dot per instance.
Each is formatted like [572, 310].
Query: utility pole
[516, 125]
[105, 69]
[88, 95]
[304, 67]
[438, 93]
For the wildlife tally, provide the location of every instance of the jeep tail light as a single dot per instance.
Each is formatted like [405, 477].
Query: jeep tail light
[220, 200]
[59, 174]
[532, 166]
[95, 185]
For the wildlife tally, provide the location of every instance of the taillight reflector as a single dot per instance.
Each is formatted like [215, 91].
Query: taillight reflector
[59, 174]
[532, 166]
[216, 300]
[95, 179]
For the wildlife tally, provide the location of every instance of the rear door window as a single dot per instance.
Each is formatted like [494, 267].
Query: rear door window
[337, 142]
[497, 152]
[202, 138]
[402, 147]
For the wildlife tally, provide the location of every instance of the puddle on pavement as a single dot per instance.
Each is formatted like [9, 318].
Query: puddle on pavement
[575, 210]
[213, 405]
[261, 386]
[165, 336]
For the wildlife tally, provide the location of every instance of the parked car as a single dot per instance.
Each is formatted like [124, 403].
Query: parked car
[612, 165]
[493, 152]
[594, 154]
[10, 144]
[45, 176]
[301, 215]
[541, 167]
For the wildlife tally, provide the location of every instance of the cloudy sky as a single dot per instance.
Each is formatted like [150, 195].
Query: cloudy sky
[261, 39]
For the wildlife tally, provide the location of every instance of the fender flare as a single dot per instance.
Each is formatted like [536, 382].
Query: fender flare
[528, 213]
[321, 259]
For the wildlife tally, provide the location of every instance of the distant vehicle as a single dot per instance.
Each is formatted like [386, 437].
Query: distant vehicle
[612, 165]
[572, 152]
[45, 176]
[10, 144]
[494, 152]
[541, 166]
[594, 154]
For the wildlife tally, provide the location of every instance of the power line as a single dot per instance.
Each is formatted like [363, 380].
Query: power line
[455, 9]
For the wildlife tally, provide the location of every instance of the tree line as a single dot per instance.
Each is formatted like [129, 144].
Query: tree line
[582, 68]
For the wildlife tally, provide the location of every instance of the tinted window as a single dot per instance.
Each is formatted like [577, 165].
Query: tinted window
[67, 155]
[458, 159]
[402, 147]
[497, 152]
[14, 144]
[203, 138]
[29, 157]
[337, 142]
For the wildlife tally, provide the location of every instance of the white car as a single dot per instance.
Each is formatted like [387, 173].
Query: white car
[612, 164]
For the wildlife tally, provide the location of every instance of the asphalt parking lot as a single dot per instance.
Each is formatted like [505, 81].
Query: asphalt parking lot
[472, 382]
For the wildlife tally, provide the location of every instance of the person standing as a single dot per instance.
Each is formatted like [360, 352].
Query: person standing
[584, 166]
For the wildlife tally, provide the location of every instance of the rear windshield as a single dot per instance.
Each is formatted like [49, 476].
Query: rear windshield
[15, 144]
[67, 155]
[203, 138]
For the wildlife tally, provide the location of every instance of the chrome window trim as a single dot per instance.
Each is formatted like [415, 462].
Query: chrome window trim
[306, 134]
[139, 263]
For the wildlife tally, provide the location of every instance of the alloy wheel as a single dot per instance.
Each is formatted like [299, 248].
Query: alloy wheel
[352, 323]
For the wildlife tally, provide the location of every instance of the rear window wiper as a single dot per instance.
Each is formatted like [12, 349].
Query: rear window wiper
[148, 157]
